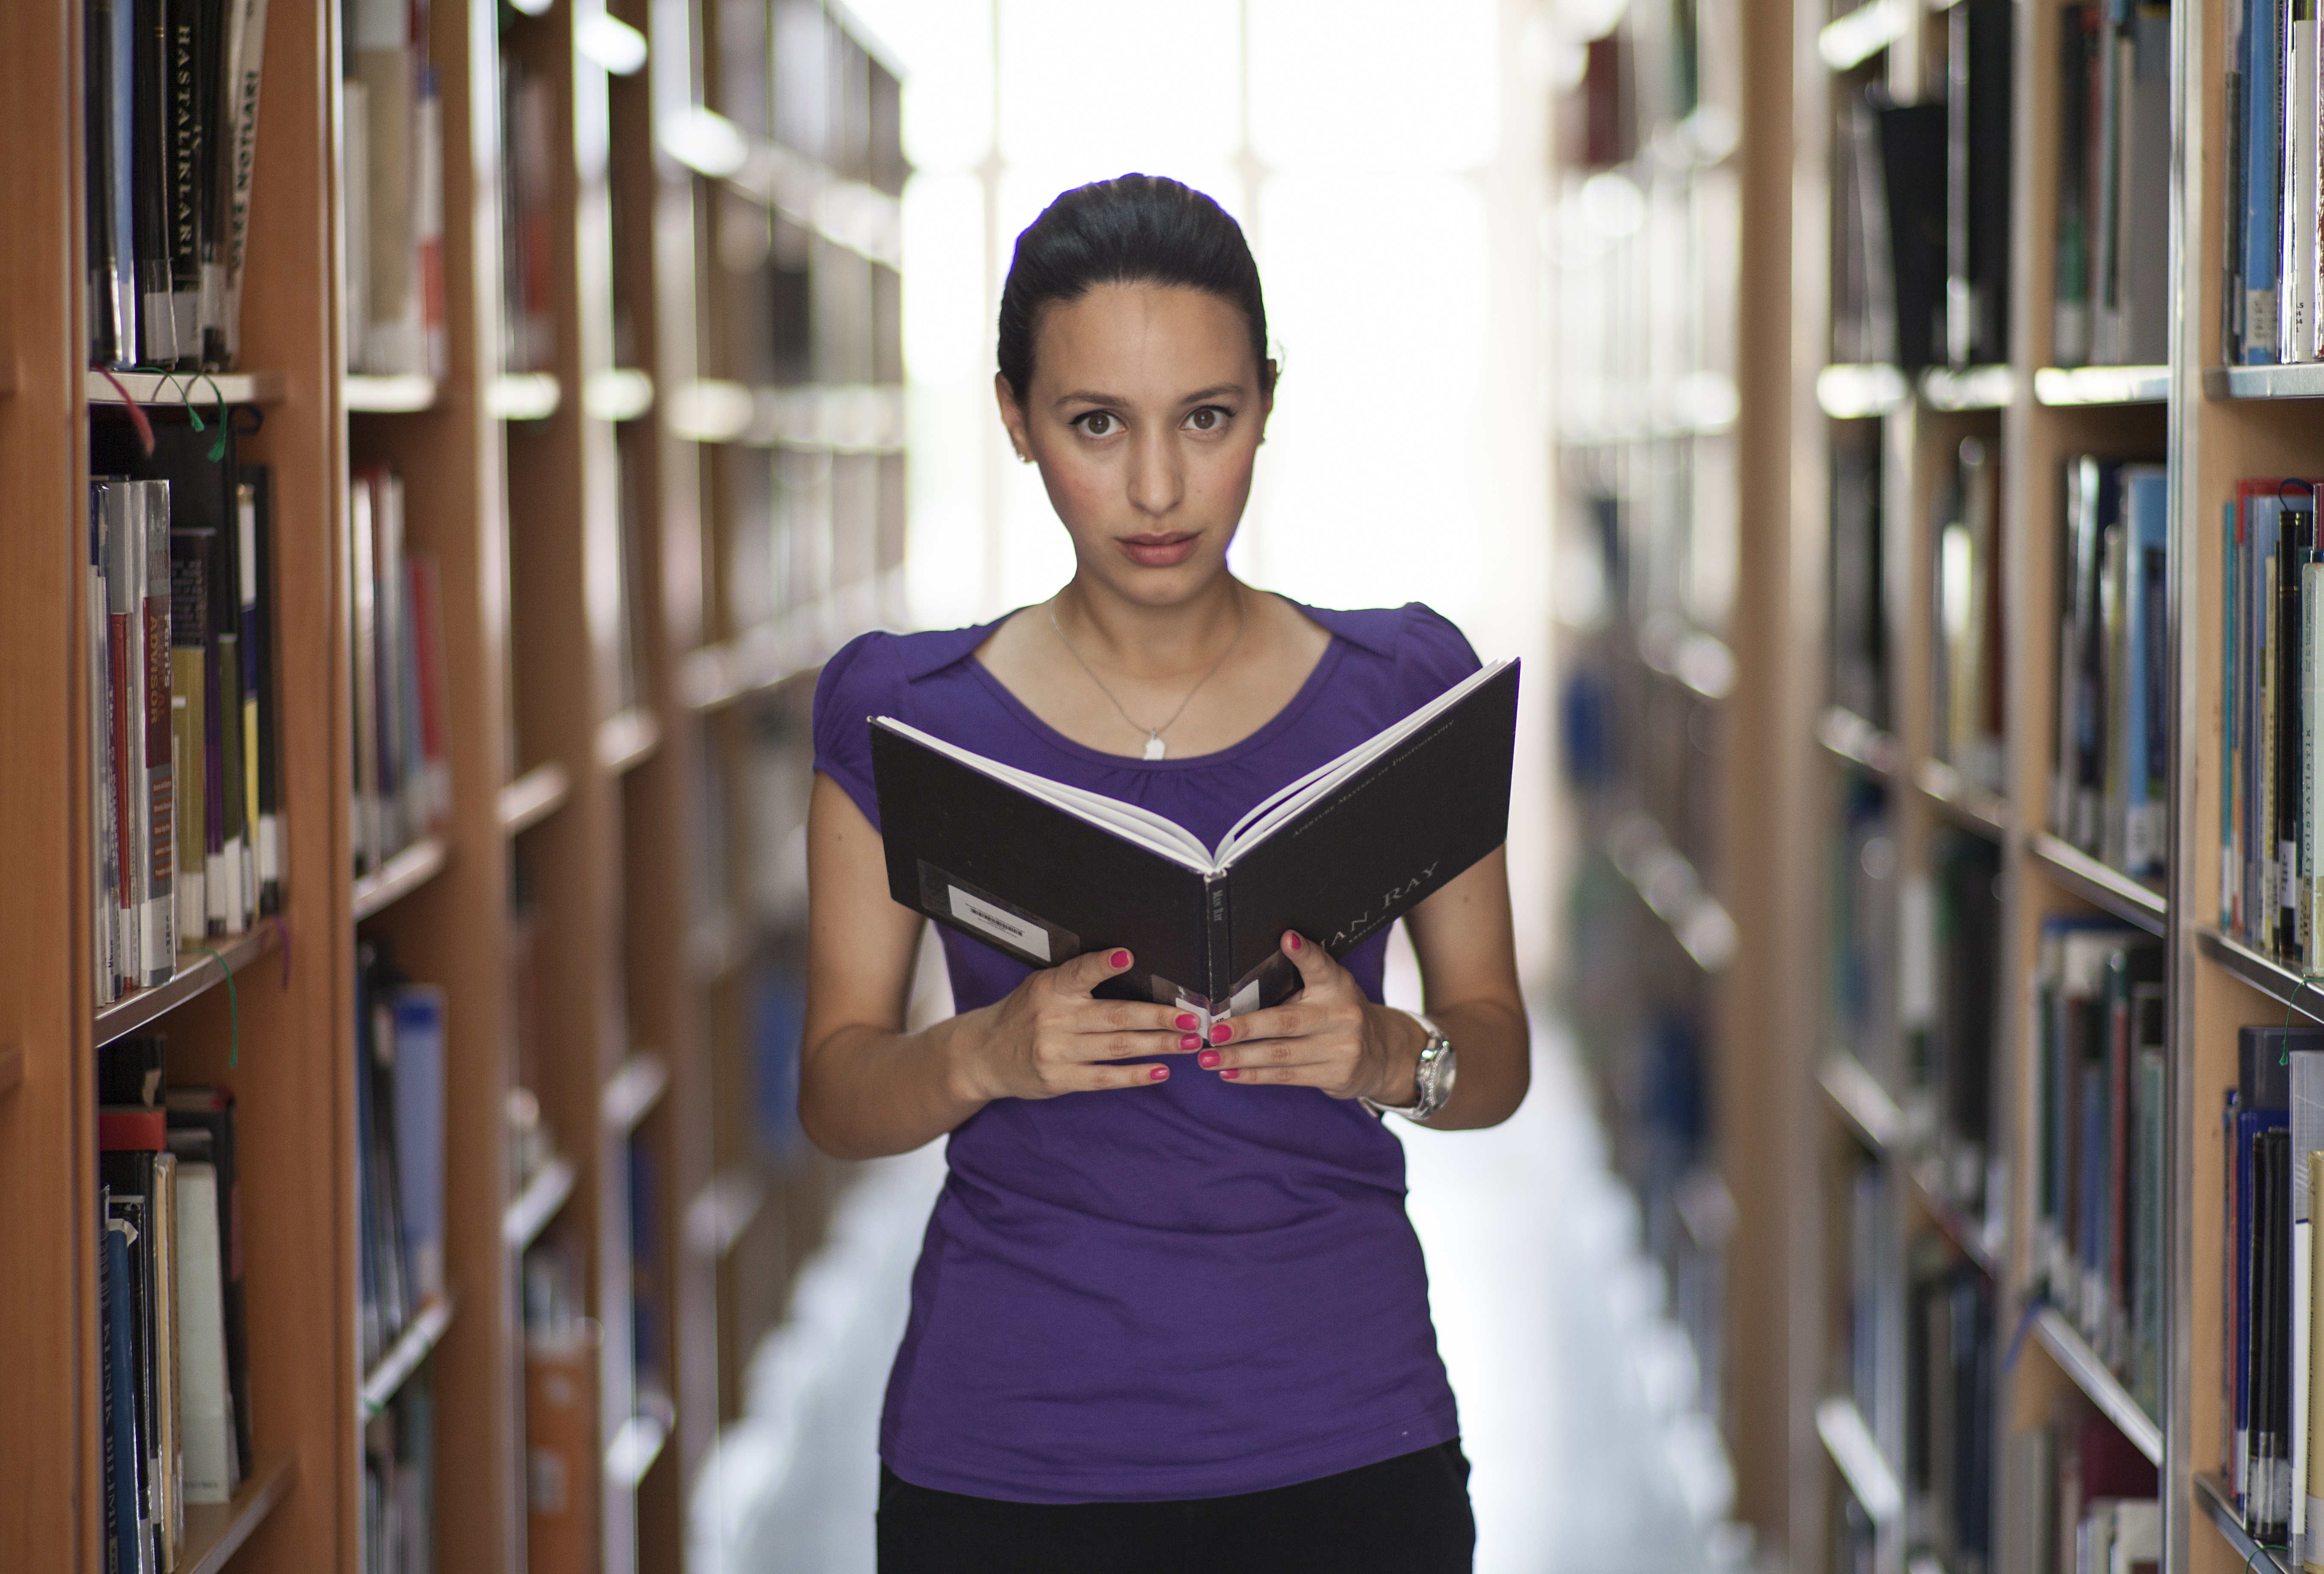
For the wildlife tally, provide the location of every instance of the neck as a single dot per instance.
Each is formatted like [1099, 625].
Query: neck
[1142, 640]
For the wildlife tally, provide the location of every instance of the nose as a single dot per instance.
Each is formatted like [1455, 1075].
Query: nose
[1156, 484]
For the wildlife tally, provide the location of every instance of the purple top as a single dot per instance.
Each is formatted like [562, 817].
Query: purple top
[1188, 1291]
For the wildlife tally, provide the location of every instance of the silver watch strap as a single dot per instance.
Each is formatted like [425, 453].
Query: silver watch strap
[1429, 1095]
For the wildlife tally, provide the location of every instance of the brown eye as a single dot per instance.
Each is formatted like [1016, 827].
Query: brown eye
[1207, 417]
[1098, 423]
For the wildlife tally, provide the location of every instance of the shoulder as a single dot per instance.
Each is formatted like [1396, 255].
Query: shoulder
[1424, 650]
[871, 675]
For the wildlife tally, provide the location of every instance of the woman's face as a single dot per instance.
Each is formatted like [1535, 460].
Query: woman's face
[1145, 415]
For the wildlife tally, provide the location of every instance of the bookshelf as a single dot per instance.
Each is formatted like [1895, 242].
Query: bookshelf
[1866, 446]
[584, 535]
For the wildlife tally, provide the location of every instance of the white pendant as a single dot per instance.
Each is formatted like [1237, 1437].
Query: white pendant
[1154, 745]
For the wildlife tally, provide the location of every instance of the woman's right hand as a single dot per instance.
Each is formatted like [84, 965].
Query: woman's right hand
[1049, 1036]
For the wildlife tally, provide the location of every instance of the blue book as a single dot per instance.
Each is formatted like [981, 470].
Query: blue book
[2262, 143]
[128, 1549]
[2230, 733]
[2146, 507]
[418, 1014]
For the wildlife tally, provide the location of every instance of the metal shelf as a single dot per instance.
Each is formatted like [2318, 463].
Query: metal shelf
[1857, 1094]
[524, 1219]
[400, 395]
[2099, 885]
[534, 797]
[2305, 381]
[400, 876]
[198, 971]
[2264, 974]
[2065, 387]
[199, 389]
[1963, 802]
[2089, 1373]
[1861, 1464]
[1850, 737]
[403, 1358]
[2255, 1556]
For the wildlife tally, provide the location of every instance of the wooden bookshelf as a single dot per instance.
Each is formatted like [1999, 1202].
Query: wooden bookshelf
[2211, 424]
[576, 764]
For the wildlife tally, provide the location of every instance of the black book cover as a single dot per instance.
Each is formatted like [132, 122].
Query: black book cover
[149, 180]
[127, 1176]
[2267, 1512]
[1913, 165]
[125, 1456]
[108, 78]
[1977, 240]
[201, 1127]
[182, 113]
[1044, 885]
[2295, 540]
[129, 1071]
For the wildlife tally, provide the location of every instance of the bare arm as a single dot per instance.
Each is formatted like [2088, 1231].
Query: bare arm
[1329, 1036]
[866, 1087]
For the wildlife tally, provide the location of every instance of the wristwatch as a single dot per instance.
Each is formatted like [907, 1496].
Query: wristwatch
[1433, 1077]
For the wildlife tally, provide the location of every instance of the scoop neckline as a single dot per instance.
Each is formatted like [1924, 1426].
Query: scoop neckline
[1258, 737]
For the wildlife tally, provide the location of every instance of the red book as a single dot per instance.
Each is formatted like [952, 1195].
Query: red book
[132, 1130]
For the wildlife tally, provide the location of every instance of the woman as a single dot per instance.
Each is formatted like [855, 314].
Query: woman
[1169, 1312]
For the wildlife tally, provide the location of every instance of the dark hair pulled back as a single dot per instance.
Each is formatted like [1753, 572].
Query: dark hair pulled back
[1133, 229]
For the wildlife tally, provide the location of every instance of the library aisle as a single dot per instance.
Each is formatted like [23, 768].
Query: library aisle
[1574, 1385]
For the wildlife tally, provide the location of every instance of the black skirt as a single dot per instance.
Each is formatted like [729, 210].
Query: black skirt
[1405, 1516]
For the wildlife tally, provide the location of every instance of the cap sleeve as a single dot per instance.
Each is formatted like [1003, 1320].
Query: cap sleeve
[864, 679]
[1432, 656]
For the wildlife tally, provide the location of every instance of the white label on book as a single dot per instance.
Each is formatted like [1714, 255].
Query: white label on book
[1005, 927]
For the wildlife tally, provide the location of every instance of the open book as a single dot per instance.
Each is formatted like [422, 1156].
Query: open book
[1044, 871]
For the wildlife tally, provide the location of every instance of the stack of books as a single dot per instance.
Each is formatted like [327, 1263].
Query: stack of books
[402, 774]
[2110, 780]
[2102, 1103]
[170, 95]
[173, 1341]
[392, 183]
[182, 731]
[1968, 659]
[2272, 294]
[400, 1148]
[2110, 303]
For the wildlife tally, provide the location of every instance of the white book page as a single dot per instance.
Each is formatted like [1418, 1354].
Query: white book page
[1132, 822]
[1273, 813]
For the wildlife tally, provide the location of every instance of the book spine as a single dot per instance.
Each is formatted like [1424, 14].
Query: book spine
[2296, 263]
[2261, 142]
[1217, 948]
[246, 50]
[105, 900]
[181, 111]
[158, 809]
[364, 634]
[268, 859]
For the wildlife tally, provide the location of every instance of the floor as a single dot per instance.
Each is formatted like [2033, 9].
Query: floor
[1576, 1394]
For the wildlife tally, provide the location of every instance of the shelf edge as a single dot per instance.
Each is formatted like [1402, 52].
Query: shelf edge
[2081, 1364]
[256, 1498]
[1963, 802]
[2213, 1500]
[627, 739]
[1870, 1476]
[1859, 1096]
[534, 797]
[1848, 737]
[2096, 882]
[632, 1090]
[530, 1211]
[2264, 974]
[198, 973]
[400, 876]
[403, 1358]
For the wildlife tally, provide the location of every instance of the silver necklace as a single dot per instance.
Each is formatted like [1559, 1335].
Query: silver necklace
[1155, 747]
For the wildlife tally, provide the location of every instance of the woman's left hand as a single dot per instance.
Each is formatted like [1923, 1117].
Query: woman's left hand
[1327, 1036]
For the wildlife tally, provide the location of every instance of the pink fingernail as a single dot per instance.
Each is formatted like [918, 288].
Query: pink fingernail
[1186, 1022]
[1208, 1060]
[1159, 1074]
[1221, 1033]
[1119, 960]
[1230, 1073]
[1295, 942]
[1191, 1041]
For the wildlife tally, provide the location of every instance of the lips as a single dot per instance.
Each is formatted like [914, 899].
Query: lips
[1161, 550]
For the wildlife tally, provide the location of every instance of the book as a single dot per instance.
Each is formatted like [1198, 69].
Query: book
[243, 60]
[137, 606]
[1977, 100]
[201, 1129]
[211, 1458]
[419, 1075]
[107, 866]
[192, 651]
[1915, 167]
[128, 1550]
[1044, 871]
[393, 155]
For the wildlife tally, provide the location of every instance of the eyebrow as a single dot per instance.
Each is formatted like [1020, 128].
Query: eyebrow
[1086, 396]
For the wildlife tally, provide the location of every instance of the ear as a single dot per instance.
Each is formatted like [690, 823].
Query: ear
[1012, 417]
